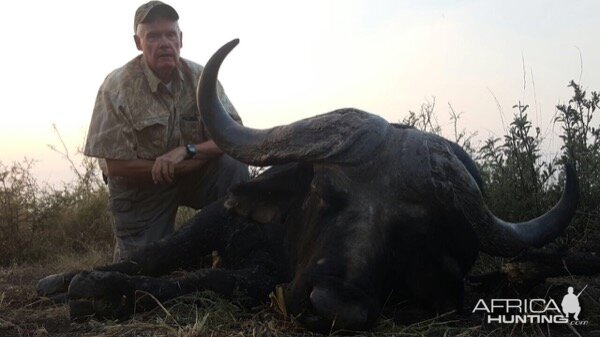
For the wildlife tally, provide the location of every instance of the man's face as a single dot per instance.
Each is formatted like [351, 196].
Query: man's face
[160, 41]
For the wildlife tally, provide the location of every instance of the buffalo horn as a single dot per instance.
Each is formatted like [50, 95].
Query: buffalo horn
[504, 238]
[338, 136]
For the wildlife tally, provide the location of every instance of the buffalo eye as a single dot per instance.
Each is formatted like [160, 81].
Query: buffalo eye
[331, 189]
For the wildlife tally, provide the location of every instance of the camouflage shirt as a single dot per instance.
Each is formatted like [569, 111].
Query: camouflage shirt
[136, 116]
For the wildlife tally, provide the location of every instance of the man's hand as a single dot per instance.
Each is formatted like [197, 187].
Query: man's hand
[163, 170]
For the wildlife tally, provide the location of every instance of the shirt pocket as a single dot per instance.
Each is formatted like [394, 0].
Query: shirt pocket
[151, 135]
[191, 129]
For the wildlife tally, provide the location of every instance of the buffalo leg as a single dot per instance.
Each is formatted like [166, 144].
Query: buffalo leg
[110, 294]
[208, 230]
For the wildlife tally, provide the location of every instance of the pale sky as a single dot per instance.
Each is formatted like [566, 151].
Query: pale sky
[301, 58]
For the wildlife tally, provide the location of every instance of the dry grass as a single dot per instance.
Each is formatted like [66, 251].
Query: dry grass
[22, 313]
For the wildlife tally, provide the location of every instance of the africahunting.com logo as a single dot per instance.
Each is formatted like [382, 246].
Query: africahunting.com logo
[536, 310]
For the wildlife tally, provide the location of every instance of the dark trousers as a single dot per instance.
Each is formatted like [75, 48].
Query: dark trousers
[145, 213]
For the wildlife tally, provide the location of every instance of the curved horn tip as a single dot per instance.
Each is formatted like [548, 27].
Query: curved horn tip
[570, 167]
[221, 53]
[571, 173]
[231, 44]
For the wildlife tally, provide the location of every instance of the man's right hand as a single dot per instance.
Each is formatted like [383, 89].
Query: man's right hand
[163, 170]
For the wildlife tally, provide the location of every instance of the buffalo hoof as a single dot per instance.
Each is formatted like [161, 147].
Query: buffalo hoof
[102, 295]
[55, 286]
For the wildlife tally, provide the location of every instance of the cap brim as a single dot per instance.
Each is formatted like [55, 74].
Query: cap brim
[161, 11]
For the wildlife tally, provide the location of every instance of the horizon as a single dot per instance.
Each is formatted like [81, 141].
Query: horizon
[298, 60]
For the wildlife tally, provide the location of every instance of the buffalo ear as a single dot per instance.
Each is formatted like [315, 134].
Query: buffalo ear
[267, 198]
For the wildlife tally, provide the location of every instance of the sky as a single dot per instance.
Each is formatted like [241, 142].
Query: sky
[297, 59]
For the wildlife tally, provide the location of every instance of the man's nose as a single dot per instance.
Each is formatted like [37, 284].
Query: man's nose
[164, 42]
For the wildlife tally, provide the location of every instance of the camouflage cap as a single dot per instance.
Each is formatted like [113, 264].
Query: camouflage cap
[152, 10]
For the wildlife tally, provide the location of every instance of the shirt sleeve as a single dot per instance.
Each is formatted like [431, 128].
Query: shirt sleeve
[111, 133]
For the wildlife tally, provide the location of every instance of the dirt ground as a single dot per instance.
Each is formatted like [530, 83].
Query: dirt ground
[23, 313]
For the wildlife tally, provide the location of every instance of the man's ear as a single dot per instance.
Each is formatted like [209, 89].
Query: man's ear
[138, 42]
[180, 39]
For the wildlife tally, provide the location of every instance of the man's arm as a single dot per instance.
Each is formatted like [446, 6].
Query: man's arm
[163, 169]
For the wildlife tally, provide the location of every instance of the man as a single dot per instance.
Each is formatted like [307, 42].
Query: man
[570, 304]
[147, 130]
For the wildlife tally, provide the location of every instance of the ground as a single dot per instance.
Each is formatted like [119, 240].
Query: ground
[23, 313]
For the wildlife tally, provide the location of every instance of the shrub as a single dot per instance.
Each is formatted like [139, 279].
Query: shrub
[516, 179]
[581, 145]
[37, 223]
[519, 184]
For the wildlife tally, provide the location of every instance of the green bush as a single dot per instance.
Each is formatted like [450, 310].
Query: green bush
[581, 145]
[38, 223]
[519, 183]
[516, 179]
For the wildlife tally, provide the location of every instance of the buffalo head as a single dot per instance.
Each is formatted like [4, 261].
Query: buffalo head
[374, 209]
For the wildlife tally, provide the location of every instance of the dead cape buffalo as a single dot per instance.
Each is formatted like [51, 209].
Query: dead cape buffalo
[353, 209]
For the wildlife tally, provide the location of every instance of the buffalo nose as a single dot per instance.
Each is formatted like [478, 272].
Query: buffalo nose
[343, 313]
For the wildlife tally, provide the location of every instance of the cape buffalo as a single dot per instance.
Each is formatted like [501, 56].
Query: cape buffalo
[353, 209]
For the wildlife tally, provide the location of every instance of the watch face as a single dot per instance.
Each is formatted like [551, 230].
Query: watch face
[191, 150]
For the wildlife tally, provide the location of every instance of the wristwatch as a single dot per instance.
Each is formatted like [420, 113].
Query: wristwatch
[190, 151]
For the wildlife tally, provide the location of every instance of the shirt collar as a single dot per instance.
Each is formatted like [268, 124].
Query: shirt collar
[153, 80]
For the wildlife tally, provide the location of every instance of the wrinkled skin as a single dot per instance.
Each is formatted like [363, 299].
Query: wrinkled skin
[355, 210]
